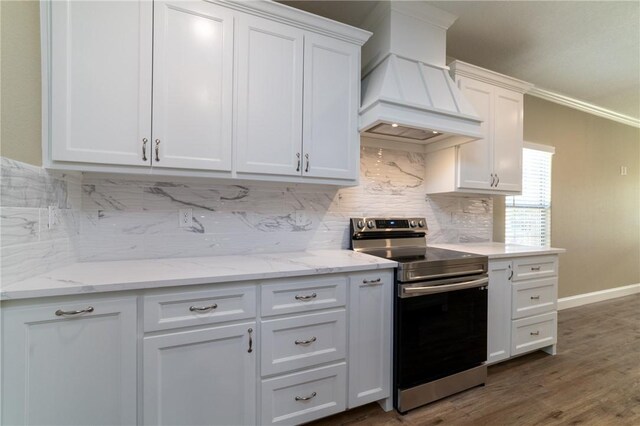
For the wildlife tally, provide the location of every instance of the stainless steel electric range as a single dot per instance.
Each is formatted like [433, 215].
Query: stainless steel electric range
[440, 310]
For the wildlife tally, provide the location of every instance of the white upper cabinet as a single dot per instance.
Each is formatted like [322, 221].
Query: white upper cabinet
[492, 164]
[269, 113]
[251, 90]
[192, 85]
[99, 81]
[331, 101]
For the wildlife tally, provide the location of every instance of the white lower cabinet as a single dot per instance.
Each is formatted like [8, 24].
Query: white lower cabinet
[304, 396]
[69, 362]
[370, 306]
[499, 311]
[281, 351]
[522, 306]
[201, 377]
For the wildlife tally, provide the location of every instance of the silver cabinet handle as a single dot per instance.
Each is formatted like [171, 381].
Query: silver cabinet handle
[298, 155]
[305, 298]
[534, 333]
[537, 268]
[306, 169]
[376, 281]
[511, 273]
[497, 180]
[250, 340]
[305, 398]
[306, 342]
[144, 149]
[203, 308]
[86, 310]
[493, 180]
[158, 150]
[535, 297]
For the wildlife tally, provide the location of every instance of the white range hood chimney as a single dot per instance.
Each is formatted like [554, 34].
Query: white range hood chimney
[407, 93]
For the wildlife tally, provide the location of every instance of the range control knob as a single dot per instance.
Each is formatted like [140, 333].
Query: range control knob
[421, 223]
[370, 224]
[413, 224]
[360, 224]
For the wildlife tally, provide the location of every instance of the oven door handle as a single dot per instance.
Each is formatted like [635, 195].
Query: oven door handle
[413, 291]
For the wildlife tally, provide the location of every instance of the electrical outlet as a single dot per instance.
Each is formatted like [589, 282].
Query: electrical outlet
[185, 218]
[623, 170]
[299, 217]
[54, 217]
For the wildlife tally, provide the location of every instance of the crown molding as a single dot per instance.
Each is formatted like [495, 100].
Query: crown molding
[584, 106]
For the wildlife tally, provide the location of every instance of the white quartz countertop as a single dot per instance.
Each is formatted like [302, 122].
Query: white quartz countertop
[94, 277]
[500, 250]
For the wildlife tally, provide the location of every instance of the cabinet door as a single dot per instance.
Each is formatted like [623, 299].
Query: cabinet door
[192, 85]
[70, 370]
[499, 311]
[370, 337]
[474, 159]
[269, 103]
[507, 140]
[100, 81]
[331, 140]
[201, 377]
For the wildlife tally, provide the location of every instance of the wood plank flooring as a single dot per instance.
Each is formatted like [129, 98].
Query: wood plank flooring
[593, 380]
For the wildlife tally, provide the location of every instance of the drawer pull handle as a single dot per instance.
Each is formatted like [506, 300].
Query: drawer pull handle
[535, 333]
[535, 297]
[306, 342]
[535, 268]
[510, 273]
[305, 398]
[305, 298]
[372, 281]
[203, 308]
[250, 340]
[60, 312]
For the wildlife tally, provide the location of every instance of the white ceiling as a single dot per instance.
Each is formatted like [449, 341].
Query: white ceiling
[587, 50]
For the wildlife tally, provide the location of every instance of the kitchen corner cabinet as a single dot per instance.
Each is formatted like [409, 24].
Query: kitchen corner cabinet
[492, 164]
[522, 306]
[72, 361]
[251, 90]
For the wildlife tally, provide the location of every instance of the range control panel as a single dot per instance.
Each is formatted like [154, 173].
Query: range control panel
[360, 224]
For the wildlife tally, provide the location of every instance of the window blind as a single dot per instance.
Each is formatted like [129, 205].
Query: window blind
[528, 216]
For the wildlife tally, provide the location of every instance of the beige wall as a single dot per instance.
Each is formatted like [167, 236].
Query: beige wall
[20, 81]
[595, 211]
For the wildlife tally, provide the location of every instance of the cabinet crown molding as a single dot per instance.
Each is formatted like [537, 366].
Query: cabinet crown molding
[298, 18]
[463, 69]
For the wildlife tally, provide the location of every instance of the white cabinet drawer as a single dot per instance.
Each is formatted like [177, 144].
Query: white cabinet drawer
[303, 295]
[533, 297]
[535, 267]
[302, 397]
[188, 308]
[302, 341]
[532, 333]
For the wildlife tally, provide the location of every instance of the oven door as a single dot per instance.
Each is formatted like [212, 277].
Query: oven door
[440, 329]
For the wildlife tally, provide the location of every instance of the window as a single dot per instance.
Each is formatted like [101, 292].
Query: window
[528, 216]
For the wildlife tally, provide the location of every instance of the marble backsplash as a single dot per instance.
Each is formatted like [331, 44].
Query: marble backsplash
[118, 217]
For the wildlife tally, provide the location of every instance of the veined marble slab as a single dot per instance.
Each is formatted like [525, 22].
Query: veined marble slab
[500, 250]
[94, 277]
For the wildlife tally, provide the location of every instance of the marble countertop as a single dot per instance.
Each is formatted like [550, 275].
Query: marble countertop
[94, 277]
[500, 250]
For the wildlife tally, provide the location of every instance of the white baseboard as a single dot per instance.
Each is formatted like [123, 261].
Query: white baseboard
[597, 296]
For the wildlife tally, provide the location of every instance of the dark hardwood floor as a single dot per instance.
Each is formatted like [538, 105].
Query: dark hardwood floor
[593, 380]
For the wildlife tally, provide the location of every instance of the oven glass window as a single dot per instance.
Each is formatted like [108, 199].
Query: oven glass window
[439, 335]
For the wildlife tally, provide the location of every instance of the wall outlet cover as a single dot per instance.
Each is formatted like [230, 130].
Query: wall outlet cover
[54, 217]
[185, 218]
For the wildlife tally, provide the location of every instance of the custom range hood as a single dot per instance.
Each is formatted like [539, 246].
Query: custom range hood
[407, 93]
